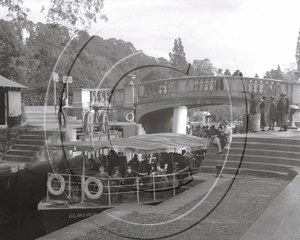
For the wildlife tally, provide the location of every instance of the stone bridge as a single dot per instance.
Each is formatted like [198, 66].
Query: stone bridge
[155, 102]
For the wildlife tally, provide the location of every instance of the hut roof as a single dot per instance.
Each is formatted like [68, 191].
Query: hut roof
[6, 83]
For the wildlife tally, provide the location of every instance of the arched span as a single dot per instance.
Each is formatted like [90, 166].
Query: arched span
[157, 121]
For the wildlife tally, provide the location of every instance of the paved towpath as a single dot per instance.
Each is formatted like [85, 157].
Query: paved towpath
[281, 220]
[88, 225]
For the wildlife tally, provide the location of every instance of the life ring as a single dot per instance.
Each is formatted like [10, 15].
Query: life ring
[59, 179]
[87, 191]
[128, 118]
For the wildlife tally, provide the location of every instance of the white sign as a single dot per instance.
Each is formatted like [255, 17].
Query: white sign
[67, 79]
[55, 77]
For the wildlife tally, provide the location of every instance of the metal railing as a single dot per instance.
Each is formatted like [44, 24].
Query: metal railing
[114, 188]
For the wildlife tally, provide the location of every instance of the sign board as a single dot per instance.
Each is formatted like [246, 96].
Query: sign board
[55, 77]
[67, 79]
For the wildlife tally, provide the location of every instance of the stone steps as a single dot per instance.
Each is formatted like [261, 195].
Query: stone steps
[19, 158]
[257, 145]
[269, 157]
[27, 147]
[32, 142]
[45, 117]
[261, 153]
[254, 159]
[18, 152]
[30, 147]
[262, 140]
[248, 165]
[245, 171]
[33, 137]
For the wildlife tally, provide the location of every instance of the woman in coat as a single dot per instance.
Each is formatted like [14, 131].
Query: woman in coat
[255, 114]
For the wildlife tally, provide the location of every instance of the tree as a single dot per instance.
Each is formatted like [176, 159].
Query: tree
[202, 68]
[220, 72]
[237, 73]
[219, 112]
[177, 58]
[256, 76]
[227, 73]
[66, 12]
[274, 74]
[298, 53]
[289, 73]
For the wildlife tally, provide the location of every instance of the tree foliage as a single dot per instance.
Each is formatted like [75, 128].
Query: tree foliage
[274, 74]
[298, 52]
[202, 68]
[29, 59]
[227, 73]
[218, 113]
[15, 10]
[177, 57]
[69, 13]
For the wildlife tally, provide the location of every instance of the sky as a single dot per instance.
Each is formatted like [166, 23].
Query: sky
[253, 36]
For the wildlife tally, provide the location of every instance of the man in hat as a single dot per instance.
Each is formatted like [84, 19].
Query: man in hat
[272, 113]
[135, 164]
[283, 110]
[264, 111]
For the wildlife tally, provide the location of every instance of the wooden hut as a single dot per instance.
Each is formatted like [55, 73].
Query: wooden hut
[10, 102]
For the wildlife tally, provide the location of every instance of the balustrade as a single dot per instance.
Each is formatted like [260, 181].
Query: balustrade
[206, 86]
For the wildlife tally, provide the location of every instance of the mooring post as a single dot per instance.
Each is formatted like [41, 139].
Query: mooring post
[219, 167]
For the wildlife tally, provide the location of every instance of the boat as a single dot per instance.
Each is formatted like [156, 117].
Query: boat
[78, 193]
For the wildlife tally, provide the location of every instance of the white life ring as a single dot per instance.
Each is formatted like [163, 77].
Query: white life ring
[130, 119]
[59, 179]
[87, 191]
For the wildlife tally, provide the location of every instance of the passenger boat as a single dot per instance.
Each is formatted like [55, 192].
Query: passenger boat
[76, 194]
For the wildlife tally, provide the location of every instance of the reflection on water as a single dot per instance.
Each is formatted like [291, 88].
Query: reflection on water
[29, 229]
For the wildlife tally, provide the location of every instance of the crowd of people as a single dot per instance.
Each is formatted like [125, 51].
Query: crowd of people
[204, 131]
[121, 183]
[264, 113]
[221, 134]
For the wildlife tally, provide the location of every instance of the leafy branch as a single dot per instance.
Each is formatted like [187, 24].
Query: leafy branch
[69, 13]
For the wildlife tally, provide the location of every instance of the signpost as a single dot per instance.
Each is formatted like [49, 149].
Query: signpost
[55, 80]
[67, 80]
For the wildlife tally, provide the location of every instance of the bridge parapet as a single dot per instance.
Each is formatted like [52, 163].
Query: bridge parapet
[209, 86]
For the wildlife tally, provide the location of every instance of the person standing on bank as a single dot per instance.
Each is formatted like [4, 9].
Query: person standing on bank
[264, 111]
[254, 114]
[283, 110]
[62, 110]
[272, 113]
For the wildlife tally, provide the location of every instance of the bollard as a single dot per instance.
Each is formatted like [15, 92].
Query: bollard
[219, 167]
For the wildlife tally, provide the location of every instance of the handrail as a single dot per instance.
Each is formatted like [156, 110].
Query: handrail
[153, 184]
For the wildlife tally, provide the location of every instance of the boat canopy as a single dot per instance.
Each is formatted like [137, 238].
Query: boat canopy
[143, 144]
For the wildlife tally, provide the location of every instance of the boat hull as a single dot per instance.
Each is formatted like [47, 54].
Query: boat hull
[55, 218]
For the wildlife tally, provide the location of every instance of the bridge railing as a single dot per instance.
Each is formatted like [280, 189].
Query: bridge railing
[209, 86]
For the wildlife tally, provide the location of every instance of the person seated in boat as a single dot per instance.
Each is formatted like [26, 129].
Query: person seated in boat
[134, 164]
[178, 176]
[115, 184]
[128, 183]
[92, 164]
[176, 167]
[103, 176]
[144, 168]
[224, 137]
[161, 182]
